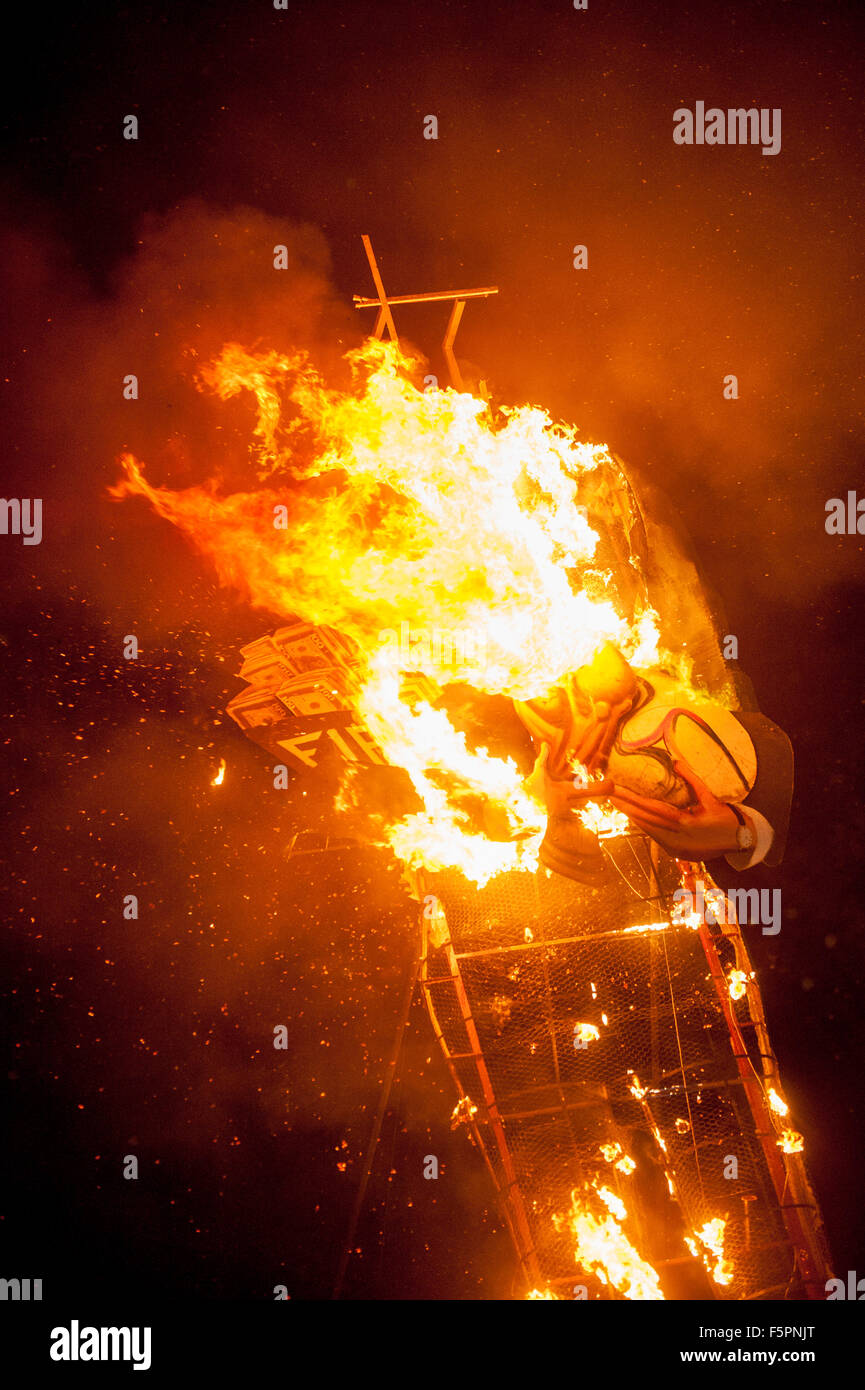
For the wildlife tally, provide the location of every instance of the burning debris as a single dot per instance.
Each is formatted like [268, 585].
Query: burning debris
[603, 1249]
[418, 502]
[708, 1244]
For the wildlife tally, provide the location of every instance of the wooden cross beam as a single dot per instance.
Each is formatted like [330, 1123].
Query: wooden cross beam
[385, 317]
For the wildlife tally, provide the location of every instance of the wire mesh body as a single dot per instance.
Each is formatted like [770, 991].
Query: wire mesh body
[577, 1019]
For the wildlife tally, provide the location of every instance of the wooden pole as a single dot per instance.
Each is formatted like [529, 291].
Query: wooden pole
[385, 316]
[434, 297]
[448, 344]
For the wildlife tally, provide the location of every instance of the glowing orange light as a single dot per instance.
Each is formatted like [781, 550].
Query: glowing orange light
[737, 983]
[606, 824]
[443, 517]
[586, 1032]
[603, 1249]
[463, 1112]
[711, 1237]
[778, 1105]
[791, 1142]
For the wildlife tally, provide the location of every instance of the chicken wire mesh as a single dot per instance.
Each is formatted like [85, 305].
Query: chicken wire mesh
[585, 1025]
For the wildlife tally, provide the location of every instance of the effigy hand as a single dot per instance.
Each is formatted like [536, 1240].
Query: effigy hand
[704, 830]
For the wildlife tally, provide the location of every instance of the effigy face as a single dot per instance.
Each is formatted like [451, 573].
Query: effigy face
[608, 719]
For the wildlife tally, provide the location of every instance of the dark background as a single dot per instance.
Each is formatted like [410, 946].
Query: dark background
[304, 127]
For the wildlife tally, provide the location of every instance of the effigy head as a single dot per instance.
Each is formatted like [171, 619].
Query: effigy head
[634, 728]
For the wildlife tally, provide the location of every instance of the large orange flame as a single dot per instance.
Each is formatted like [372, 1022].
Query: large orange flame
[603, 1249]
[385, 505]
[711, 1237]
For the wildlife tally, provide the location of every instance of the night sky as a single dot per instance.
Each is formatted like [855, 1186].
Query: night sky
[305, 127]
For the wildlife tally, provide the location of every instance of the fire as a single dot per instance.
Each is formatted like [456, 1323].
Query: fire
[778, 1105]
[603, 1249]
[463, 1112]
[613, 1153]
[737, 983]
[791, 1142]
[220, 776]
[586, 1032]
[383, 504]
[613, 1203]
[711, 1238]
[606, 824]
[684, 916]
[717, 904]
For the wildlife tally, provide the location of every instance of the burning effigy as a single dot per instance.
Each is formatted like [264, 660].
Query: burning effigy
[515, 657]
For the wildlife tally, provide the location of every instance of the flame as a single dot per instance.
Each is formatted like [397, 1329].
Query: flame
[717, 905]
[586, 1032]
[778, 1105]
[383, 504]
[682, 916]
[711, 1237]
[613, 1153]
[603, 1249]
[606, 824]
[463, 1112]
[546, 1294]
[737, 983]
[791, 1142]
[613, 1203]
[220, 776]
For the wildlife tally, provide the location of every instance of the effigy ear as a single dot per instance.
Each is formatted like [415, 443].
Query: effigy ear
[772, 791]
